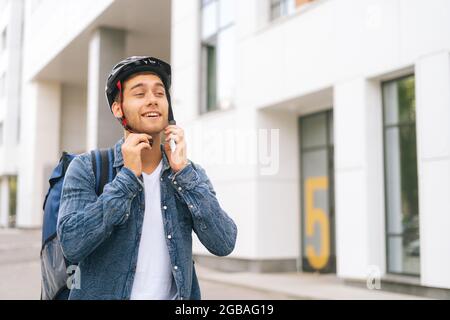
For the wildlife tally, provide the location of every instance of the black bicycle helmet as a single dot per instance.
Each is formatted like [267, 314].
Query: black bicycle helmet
[132, 65]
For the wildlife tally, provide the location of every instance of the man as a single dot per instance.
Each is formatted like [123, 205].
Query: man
[134, 241]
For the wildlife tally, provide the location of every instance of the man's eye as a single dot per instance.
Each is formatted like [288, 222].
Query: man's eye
[139, 95]
[160, 94]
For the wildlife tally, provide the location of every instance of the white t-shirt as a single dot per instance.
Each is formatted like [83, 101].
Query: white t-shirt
[153, 279]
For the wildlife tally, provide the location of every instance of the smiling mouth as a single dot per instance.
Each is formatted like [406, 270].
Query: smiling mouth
[151, 115]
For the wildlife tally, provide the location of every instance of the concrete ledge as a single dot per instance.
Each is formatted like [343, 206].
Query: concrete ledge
[244, 272]
[405, 285]
[246, 265]
[298, 285]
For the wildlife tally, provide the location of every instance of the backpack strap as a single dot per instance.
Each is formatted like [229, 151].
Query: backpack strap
[102, 164]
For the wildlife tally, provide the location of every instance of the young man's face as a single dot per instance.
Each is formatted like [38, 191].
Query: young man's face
[144, 104]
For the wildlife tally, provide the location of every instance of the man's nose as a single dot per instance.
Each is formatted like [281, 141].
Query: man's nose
[151, 98]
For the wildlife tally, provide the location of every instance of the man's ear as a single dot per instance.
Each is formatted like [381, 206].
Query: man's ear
[116, 110]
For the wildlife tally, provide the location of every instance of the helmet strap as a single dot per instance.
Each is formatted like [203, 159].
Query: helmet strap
[123, 121]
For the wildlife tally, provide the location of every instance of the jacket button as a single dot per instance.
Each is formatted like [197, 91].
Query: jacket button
[174, 182]
[169, 237]
[165, 208]
[175, 267]
[179, 188]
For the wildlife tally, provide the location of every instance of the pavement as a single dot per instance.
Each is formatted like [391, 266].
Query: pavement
[20, 278]
[302, 286]
[19, 264]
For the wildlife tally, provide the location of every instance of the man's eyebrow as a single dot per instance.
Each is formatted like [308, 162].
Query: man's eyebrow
[137, 86]
[159, 84]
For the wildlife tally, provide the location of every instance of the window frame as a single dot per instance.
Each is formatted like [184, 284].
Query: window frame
[4, 40]
[212, 40]
[204, 106]
[284, 5]
[3, 85]
[385, 126]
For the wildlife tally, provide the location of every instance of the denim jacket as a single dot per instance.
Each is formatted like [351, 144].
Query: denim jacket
[102, 234]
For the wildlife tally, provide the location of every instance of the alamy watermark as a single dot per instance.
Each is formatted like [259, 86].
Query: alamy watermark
[234, 147]
[74, 277]
[373, 281]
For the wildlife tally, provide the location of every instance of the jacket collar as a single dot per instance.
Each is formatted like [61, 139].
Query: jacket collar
[118, 158]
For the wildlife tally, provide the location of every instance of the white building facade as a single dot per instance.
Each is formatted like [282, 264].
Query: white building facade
[11, 23]
[360, 93]
[323, 124]
[69, 49]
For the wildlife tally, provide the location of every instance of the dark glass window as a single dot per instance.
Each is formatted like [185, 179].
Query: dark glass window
[401, 186]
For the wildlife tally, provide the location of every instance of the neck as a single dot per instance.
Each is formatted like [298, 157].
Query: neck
[151, 158]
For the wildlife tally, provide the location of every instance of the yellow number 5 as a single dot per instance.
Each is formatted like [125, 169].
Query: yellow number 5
[313, 216]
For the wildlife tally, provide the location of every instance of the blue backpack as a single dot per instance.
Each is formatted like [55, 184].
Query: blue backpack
[55, 268]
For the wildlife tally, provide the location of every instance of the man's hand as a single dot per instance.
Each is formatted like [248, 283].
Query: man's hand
[178, 159]
[131, 151]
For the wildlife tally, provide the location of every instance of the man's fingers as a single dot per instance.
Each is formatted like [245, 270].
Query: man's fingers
[136, 138]
[176, 138]
[143, 145]
[172, 126]
[177, 131]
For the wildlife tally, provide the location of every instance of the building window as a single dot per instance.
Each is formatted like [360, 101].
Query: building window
[318, 245]
[281, 8]
[3, 38]
[218, 54]
[401, 186]
[210, 54]
[1, 133]
[2, 85]
[12, 210]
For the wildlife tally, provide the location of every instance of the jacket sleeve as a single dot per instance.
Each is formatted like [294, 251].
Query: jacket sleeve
[214, 228]
[85, 220]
